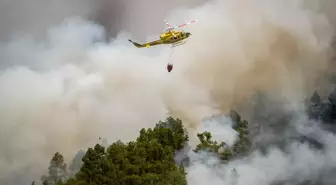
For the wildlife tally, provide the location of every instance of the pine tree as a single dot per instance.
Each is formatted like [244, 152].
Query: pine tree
[57, 170]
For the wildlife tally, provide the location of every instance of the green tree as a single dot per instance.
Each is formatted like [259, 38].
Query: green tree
[94, 168]
[57, 170]
[221, 149]
[243, 144]
[172, 132]
[211, 146]
[148, 160]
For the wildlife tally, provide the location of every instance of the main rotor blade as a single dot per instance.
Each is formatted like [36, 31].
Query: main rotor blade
[185, 24]
[168, 25]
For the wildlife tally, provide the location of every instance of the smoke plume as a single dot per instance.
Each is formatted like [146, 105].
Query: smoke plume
[65, 88]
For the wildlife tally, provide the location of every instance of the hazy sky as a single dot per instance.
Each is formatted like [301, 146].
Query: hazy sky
[60, 92]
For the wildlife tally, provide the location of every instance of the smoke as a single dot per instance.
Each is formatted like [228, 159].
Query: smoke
[221, 129]
[37, 16]
[297, 163]
[64, 90]
[137, 16]
[273, 47]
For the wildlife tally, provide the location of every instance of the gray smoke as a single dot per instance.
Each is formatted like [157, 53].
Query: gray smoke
[35, 17]
[295, 163]
[63, 87]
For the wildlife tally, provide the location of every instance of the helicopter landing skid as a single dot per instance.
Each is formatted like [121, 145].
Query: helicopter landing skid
[178, 43]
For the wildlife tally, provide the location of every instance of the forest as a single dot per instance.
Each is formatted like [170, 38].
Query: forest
[150, 160]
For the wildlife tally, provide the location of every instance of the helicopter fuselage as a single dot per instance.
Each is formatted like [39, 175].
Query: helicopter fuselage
[171, 37]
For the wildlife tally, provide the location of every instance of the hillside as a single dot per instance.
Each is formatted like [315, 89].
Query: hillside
[151, 158]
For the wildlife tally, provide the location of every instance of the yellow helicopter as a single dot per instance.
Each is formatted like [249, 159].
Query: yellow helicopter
[169, 36]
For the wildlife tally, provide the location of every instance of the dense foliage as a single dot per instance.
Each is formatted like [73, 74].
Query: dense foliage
[147, 160]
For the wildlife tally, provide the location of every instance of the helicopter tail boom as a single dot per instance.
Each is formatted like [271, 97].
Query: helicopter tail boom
[136, 44]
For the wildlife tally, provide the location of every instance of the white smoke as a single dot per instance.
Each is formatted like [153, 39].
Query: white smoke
[221, 129]
[298, 163]
[64, 92]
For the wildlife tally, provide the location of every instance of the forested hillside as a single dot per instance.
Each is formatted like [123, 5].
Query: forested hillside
[150, 158]
[147, 160]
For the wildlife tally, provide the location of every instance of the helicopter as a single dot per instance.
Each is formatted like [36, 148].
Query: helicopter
[169, 36]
